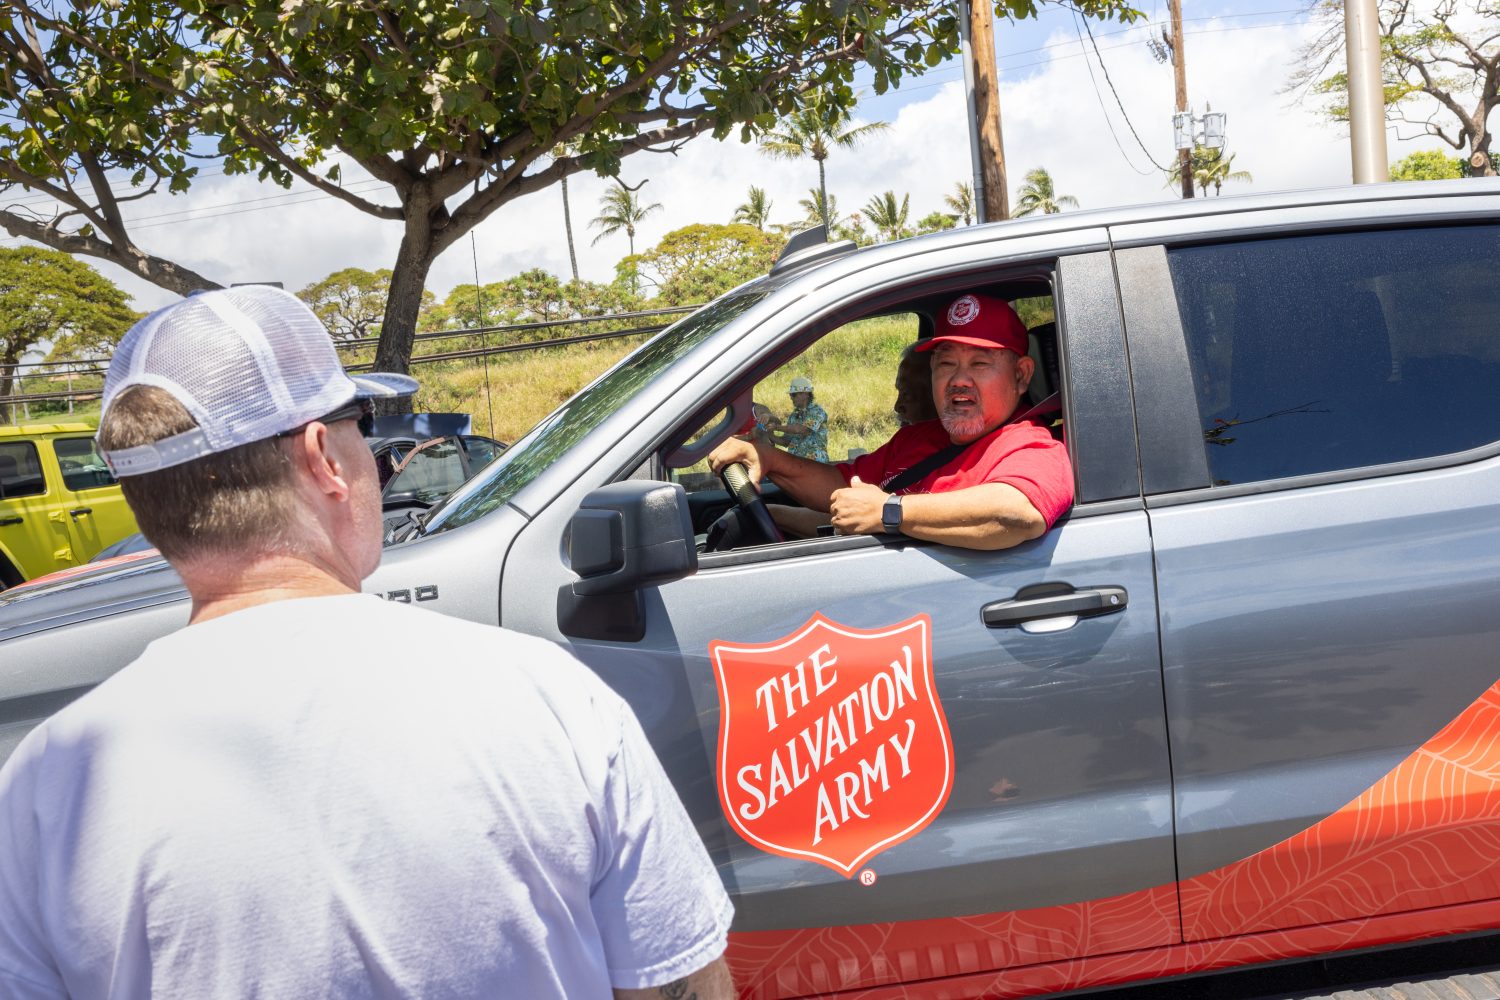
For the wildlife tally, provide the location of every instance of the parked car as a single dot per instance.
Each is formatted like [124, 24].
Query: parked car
[59, 504]
[420, 463]
[1241, 705]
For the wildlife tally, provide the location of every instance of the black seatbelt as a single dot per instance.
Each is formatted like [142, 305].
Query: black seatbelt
[938, 459]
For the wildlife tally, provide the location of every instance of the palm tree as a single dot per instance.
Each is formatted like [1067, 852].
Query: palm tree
[620, 209]
[961, 202]
[560, 150]
[1219, 169]
[1199, 166]
[817, 210]
[1210, 169]
[888, 217]
[1038, 195]
[814, 130]
[756, 210]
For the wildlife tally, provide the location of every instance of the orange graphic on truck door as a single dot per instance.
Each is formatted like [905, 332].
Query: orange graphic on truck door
[833, 745]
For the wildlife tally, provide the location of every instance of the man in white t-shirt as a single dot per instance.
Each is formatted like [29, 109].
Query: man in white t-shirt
[308, 791]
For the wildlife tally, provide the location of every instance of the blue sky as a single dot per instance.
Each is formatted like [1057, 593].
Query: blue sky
[1057, 109]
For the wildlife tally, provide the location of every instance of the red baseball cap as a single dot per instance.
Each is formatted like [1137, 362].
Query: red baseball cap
[979, 321]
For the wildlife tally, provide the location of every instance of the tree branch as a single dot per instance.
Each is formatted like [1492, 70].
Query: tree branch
[1438, 93]
[156, 270]
[273, 150]
[579, 122]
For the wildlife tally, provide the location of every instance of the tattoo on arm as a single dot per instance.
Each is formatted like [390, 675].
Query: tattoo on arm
[677, 991]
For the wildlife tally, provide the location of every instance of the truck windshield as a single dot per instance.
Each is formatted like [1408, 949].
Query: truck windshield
[546, 443]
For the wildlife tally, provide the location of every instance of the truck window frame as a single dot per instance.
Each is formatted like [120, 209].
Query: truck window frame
[907, 296]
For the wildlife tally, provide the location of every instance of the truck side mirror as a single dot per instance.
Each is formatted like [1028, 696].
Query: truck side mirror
[625, 536]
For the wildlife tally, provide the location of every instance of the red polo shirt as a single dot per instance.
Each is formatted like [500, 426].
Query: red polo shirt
[1023, 454]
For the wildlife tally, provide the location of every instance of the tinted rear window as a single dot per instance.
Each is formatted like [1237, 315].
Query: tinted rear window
[20, 470]
[1334, 352]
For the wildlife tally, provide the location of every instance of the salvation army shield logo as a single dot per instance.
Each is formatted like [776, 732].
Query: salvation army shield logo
[832, 743]
[963, 311]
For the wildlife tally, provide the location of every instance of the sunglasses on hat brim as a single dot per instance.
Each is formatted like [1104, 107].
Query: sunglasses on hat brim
[362, 410]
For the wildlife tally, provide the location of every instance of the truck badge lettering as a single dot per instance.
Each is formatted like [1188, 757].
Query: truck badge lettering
[833, 745]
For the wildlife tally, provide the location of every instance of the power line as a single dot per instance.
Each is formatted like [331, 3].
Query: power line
[1147, 25]
[947, 76]
[239, 207]
[42, 199]
[1123, 114]
[1105, 112]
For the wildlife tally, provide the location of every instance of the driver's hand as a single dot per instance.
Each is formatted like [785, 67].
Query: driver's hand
[732, 451]
[856, 508]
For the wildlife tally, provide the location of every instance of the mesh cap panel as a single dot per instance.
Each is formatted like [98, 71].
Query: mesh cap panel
[247, 363]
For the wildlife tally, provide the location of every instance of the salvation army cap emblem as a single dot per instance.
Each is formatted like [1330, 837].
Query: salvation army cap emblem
[832, 743]
[964, 310]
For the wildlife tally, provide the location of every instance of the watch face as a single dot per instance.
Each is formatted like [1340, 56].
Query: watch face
[890, 514]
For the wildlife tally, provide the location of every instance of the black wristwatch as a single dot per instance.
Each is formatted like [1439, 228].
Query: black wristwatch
[890, 515]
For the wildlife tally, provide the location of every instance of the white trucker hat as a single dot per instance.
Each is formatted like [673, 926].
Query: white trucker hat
[248, 363]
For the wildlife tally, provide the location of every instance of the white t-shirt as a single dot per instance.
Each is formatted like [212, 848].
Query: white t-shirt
[340, 797]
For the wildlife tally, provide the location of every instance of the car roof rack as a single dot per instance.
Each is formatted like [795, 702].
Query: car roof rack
[807, 247]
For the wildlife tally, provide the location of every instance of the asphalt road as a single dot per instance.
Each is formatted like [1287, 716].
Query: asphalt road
[1466, 969]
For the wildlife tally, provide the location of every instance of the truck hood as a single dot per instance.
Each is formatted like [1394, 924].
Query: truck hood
[94, 590]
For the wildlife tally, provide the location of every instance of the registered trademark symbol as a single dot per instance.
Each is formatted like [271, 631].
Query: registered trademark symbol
[867, 877]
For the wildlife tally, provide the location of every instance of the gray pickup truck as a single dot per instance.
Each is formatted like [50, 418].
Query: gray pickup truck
[1240, 705]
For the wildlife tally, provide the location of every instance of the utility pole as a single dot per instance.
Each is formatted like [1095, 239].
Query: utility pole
[991, 192]
[1366, 92]
[1179, 66]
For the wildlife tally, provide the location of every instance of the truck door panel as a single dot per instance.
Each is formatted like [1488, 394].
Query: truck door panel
[1060, 793]
[1326, 529]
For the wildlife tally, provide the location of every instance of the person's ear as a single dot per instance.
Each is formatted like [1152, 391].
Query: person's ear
[313, 455]
[1025, 369]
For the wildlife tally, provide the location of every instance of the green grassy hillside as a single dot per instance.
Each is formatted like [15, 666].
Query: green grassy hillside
[853, 370]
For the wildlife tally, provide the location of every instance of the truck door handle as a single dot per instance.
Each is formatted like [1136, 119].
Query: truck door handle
[79, 511]
[1053, 600]
[9, 520]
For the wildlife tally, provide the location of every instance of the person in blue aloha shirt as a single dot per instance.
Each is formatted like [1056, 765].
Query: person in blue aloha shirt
[805, 431]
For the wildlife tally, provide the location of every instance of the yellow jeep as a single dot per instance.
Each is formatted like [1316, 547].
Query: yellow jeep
[59, 504]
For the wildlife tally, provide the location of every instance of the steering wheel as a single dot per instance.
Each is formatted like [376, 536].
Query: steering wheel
[753, 509]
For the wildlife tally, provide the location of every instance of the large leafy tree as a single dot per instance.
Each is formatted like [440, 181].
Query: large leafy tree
[49, 299]
[1441, 68]
[1039, 194]
[529, 297]
[699, 262]
[446, 110]
[815, 129]
[350, 302]
[935, 222]
[1427, 165]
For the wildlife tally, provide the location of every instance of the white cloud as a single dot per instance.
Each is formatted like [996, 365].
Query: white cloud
[1052, 118]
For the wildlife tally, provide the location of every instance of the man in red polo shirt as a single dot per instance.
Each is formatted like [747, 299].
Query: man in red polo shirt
[977, 477]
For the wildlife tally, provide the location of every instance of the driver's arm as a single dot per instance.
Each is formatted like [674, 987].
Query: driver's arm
[988, 516]
[810, 482]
